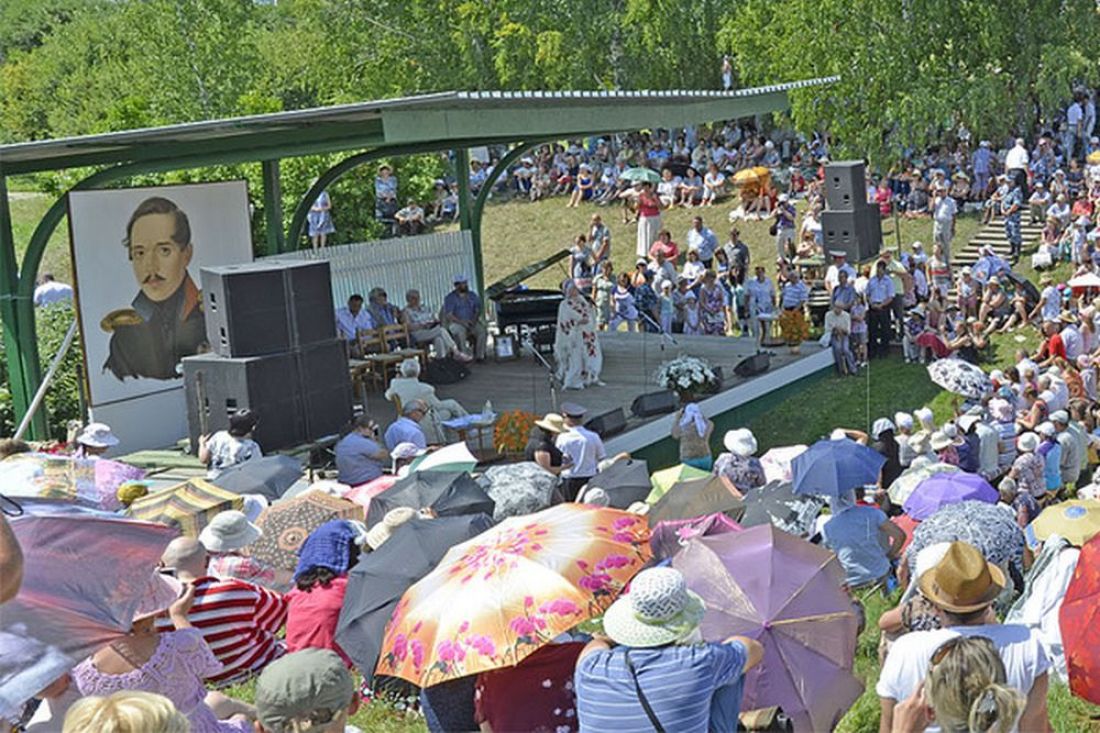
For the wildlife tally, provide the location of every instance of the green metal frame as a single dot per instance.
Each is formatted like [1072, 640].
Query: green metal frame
[273, 206]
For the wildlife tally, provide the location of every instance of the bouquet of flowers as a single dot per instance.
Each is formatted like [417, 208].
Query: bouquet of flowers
[687, 375]
[512, 431]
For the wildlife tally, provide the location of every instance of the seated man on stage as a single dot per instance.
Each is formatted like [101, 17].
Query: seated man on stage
[408, 388]
[382, 312]
[425, 328]
[462, 316]
[352, 319]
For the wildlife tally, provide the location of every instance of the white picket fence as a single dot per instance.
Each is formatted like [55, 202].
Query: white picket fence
[427, 262]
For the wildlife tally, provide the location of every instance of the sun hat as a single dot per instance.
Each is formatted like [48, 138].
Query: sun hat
[229, 530]
[939, 441]
[638, 507]
[1060, 416]
[658, 610]
[130, 491]
[97, 435]
[406, 450]
[1027, 442]
[1046, 280]
[917, 245]
[952, 432]
[740, 442]
[552, 422]
[159, 592]
[311, 685]
[594, 496]
[382, 531]
[963, 581]
[968, 421]
[924, 416]
[1046, 429]
[881, 426]
[783, 198]
[903, 420]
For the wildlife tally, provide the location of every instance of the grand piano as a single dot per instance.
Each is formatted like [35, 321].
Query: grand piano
[527, 313]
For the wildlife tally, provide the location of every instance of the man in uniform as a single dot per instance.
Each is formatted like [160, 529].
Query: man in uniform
[581, 449]
[166, 322]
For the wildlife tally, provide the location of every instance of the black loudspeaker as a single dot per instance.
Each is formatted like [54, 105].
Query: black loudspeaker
[261, 308]
[845, 185]
[753, 365]
[655, 403]
[858, 232]
[325, 387]
[217, 386]
[612, 422]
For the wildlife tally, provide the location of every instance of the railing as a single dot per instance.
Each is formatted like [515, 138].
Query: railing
[427, 262]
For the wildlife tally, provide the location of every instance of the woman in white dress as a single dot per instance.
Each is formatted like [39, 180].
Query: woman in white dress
[576, 346]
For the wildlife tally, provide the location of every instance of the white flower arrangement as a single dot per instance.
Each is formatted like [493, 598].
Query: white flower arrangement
[686, 374]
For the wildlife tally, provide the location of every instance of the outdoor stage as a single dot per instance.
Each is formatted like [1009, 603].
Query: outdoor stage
[630, 361]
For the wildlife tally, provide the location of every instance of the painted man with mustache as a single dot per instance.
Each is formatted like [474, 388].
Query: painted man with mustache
[166, 322]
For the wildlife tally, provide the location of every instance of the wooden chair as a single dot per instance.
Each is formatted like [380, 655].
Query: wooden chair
[375, 363]
[398, 342]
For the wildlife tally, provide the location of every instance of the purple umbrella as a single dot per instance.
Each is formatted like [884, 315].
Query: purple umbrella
[671, 534]
[785, 592]
[84, 574]
[942, 489]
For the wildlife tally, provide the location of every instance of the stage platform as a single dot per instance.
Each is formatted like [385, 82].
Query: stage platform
[630, 361]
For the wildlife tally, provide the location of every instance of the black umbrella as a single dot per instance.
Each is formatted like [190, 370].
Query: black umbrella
[269, 476]
[378, 581]
[624, 482]
[776, 503]
[696, 498]
[447, 494]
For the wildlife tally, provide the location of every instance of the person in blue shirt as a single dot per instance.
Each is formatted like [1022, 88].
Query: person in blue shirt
[653, 650]
[359, 457]
[462, 316]
[406, 429]
[864, 540]
[1051, 453]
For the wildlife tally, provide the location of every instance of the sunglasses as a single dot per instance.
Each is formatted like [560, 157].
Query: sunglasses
[951, 644]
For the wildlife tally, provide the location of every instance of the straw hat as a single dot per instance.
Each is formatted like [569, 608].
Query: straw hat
[382, 531]
[740, 442]
[553, 422]
[658, 610]
[229, 530]
[963, 581]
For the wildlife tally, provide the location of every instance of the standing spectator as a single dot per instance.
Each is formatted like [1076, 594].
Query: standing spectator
[385, 193]
[599, 239]
[410, 220]
[1051, 453]
[462, 316]
[982, 164]
[792, 322]
[238, 620]
[838, 326]
[727, 73]
[1011, 205]
[761, 297]
[784, 215]
[703, 241]
[880, 296]
[649, 215]
[944, 209]
[1016, 161]
[50, 291]
[738, 254]
[1070, 463]
[581, 450]
[478, 175]
[320, 221]
[712, 305]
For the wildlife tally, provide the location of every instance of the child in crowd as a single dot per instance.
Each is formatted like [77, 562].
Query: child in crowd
[692, 322]
[602, 285]
[668, 308]
[625, 310]
[859, 332]
[914, 326]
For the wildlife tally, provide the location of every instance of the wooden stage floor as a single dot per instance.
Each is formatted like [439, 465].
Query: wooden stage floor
[630, 361]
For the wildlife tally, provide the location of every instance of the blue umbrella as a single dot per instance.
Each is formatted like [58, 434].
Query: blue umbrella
[831, 467]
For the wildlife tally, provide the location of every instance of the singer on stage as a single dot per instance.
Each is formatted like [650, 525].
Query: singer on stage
[576, 347]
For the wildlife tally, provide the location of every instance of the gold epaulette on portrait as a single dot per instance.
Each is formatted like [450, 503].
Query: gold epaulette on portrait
[120, 317]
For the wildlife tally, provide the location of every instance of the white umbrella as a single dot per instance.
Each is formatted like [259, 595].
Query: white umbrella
[454, 457]
[1088, 280]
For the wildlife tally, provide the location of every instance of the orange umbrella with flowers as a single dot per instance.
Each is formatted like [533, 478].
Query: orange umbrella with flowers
[498, 597]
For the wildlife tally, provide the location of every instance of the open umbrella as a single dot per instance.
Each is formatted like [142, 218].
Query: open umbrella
[287, 523]
[363, 493]
[745, 176]
[986, 526]
[776, 503]
[1093, 158]
[48, 476]
[777, 462]
[454, 458]
[960, 377]
[447, 494]
[269, 476]
[500, 596]
[1088, 280]
[666, 478]
[670, 536]
[378, 581]
[786, 593]
[948, 488]
[624, 482]
[1079, 620]
[188, 506]
[831, 467]
[696, 498]
[84, 575]
[520, 488]
[647, 175]
[907, 482]
[1077, 520]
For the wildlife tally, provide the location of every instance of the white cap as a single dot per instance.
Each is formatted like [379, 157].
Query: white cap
[783, 198]
[1046, 429]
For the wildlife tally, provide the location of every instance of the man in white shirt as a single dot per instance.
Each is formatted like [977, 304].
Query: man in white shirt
[352, 319]
[943, 220]
[880, 298]
[581, 449]
[963, 587]
[838, 325]
[1075, 125]
[51, 291]
[1017, 158]
[840, 262]
[702, 240]
[1071, 336]
[760, 294]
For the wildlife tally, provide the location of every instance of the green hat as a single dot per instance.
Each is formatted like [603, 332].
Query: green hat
[311, 686]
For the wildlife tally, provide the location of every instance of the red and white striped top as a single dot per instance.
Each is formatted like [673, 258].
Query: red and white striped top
[239, 621]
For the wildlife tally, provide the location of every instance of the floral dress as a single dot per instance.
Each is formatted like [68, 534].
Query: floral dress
[712, 307]
[176, 670]
[576, 347]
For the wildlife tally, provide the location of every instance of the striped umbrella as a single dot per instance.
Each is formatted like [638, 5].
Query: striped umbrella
[188, 506]
[287, 523]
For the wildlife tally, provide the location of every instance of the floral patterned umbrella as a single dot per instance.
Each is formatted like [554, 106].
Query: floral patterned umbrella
[960, 377]
[503, 594]
[986, 526]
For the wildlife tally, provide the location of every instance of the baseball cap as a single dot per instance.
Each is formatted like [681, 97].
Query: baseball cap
[310, 686]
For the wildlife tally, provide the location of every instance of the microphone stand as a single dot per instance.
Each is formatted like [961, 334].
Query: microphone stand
[552, 377]
[665, 335]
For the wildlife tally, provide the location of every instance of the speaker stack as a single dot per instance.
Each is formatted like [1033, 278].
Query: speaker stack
[849, 223]
[274, 350]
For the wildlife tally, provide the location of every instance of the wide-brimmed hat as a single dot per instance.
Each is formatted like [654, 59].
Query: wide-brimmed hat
[404, 451]
[939, 441]
[97, 435]
[229, 530]
[552, 422]
[740, 442]
[382, 531]
[952, 432]
[1067, 317]
[1027, 442]
[963, 581]
[658, 610]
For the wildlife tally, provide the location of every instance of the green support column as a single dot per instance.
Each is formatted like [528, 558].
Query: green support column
[9, 315]
[465, 213]
[273, 206]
